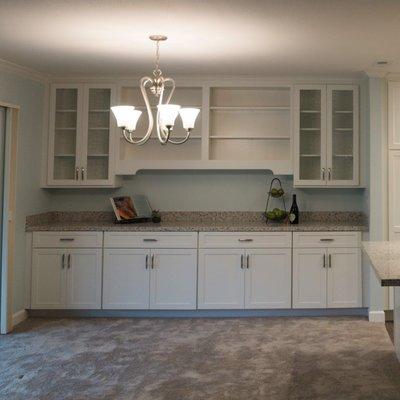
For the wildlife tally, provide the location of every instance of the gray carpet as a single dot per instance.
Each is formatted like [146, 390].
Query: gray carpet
[187, 359]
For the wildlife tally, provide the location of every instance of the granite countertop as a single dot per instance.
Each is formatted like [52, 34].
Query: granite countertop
[196, 222]
[385, 259]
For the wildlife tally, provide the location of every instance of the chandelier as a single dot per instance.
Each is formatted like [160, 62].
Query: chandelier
[127, 116]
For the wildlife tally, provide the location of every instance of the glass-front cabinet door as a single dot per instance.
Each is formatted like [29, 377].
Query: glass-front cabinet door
[81, 135]
[65, 134]
[97, 137]
[342, 135]
[310, 135]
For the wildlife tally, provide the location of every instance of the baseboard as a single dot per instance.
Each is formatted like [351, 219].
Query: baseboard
[330, 312]
[19, 316]
[376, 316]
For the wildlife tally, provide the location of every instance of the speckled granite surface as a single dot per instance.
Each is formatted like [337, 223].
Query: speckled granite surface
[197, 222]
[385, 259]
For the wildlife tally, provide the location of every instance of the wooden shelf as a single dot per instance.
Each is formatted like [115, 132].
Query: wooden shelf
[310, 155]
[310, 111]
[343, 112]
[343, 129]
[310, 129]
[64, 155]
[343, 155]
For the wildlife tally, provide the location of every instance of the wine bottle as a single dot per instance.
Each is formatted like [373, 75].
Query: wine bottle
[294, 212]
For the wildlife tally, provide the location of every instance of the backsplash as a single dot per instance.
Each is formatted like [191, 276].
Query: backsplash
[207, 191]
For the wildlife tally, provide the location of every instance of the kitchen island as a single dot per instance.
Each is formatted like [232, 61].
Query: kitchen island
[385, 260]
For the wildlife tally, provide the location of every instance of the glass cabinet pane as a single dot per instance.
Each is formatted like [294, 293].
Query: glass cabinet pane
[98, 133]
[342, 134]
[65, 133]
[310, 134]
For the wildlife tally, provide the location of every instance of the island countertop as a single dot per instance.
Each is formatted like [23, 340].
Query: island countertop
[197, 222]
[385, 259]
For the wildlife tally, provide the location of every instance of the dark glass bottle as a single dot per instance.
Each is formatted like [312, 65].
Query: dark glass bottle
[294, 212]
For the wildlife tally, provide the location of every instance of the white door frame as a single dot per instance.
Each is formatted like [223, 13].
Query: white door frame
[8, 225]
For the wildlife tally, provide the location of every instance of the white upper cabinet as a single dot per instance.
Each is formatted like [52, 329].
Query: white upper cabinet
[394, 195]
[326, 135]
[81, 136]
[394, 115]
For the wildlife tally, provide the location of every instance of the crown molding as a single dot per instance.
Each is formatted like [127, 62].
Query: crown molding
[376, 74]
[24, 72]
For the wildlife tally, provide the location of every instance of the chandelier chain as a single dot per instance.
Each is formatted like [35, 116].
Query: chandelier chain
[157, 71]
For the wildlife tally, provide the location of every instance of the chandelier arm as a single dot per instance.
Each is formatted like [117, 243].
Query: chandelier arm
[162, 134]
[185, 139]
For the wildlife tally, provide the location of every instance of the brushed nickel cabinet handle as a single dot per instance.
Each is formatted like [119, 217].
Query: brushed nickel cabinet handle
[323, 174]
[241, 261]
[245, 240]
[69, 261]
[147, 261]
[329, 261]
[76, 173]
[327, 240]
[149, 240]
[329, 173]
[83, 173]
[63, 261]
[67, 239]
[324, 261]
[248, 261]
[152, 261]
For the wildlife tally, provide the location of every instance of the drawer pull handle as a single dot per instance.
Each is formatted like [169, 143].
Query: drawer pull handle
[329, 261]
[326, 240]
[63, 261]
[324, 261]
[245, 240]
[248, 261]
[69, 261]
[241, 261]
[149, 240]
[147, 261]
[152, 261]
[67, 239]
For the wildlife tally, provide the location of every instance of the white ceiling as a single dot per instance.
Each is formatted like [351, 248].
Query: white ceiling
[206, 37]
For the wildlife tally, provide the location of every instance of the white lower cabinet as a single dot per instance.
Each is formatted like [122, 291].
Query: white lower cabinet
[149, 278]
[268, 278]
[238, 278]
[327, 277]
[126, 279]
[66, 278]
[221, 279]
[48, 278]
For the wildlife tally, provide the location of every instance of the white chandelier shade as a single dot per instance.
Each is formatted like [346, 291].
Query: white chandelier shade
[127, 116]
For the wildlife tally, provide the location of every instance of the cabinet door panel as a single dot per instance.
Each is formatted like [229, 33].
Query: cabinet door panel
[342, 135]
[394, 115]
[309, 278]
[221, 279]
[310, 135]
[126, 279]
[65, 134]
[173, 279]
[48, 279]
[394, 195]
[98, 135]
[344, 278]
[84, 279]
[268, 279]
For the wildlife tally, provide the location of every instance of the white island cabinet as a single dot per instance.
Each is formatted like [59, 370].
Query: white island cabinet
[244, 270]
[150, 270]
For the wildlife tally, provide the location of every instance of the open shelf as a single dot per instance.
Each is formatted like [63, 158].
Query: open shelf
[251, 137]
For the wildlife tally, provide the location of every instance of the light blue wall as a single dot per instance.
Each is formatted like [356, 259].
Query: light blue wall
[28, 94]
[208, 191]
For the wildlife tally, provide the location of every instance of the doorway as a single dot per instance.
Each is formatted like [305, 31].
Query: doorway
[8, 165]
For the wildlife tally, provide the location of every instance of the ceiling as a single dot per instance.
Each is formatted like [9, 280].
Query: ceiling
[206, 37]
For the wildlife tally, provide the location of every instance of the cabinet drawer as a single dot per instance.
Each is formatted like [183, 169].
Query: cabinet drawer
[245, 240]
[326, 239]
[67, 239]
[177, 240]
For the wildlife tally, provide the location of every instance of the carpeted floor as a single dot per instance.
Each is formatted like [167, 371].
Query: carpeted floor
[188, 359]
